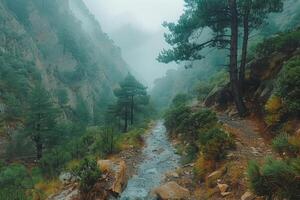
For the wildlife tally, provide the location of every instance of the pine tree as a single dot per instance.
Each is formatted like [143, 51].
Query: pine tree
[223, 19]
[253, 14]
[41, 121]
[218, 16]
[130, 95]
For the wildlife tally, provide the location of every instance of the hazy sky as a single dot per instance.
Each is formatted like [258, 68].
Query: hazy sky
[135, 26]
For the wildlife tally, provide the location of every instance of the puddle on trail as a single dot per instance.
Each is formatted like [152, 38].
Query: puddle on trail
[158, 158]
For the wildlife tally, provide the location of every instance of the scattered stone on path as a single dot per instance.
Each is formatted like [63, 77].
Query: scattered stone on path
[248, 196]
[68, 194]
[171, 191]
[223, 187]
[224, 194]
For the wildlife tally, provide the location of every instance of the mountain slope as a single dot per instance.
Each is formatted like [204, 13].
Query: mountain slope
[61, 45]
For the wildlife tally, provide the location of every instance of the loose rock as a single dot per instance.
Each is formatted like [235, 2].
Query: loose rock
[171, 191]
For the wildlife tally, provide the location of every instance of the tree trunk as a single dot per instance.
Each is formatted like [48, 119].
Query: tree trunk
[244, 49]
[131, 110]
[126, 119]
[39, 150]
[233, 70]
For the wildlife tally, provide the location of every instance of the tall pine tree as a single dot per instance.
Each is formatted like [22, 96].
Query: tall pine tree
[130, 95]
[41, 120]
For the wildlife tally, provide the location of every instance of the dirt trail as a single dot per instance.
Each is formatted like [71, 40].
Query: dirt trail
[250, 143]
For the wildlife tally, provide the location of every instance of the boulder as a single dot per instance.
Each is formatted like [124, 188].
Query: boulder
[66, 178]
[171, 191]
[248, 196]
[224, 194]
[116, 171]
[223, 187]
[105, 165]
[213, 178]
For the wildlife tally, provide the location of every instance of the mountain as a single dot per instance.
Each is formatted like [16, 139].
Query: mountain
[57, 44]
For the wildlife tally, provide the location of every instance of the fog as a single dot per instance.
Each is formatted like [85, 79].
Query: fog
[135, 26]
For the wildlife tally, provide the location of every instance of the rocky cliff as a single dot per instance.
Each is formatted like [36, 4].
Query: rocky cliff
[57, 43]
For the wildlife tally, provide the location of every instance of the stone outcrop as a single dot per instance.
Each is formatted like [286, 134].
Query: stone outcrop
[115, 174]
[171, 191]
[112, 183]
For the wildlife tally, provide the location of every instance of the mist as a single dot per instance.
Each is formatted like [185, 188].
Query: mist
[136, 27]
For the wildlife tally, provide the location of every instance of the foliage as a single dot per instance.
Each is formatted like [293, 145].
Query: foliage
[41, 120]
[174, 116]
[273, 108]
[283, 42]
[53, 162]
[275, 179]
[180, 99]
[131, 139]
[285, 144]
[288, 86]
[88, 173]
[20, 9]
[202, 167]
[15, 180]
[131, 96]
[215, 143]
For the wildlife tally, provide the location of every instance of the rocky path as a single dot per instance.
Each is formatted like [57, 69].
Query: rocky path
[158, 158]
[250, 143]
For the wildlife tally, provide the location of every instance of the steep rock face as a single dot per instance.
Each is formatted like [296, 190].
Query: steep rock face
[62, 44]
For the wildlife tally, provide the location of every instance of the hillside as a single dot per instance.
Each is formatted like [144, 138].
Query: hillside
[59, 45]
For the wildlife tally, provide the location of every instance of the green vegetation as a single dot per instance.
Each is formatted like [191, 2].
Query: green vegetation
[41, 121]
[200, 130]
[215, 143]
[275, 179]
[218, 17]
[286, 145]
[283, 42]
[289, 84]
[15, 181]
[132, 98]
[88, 173]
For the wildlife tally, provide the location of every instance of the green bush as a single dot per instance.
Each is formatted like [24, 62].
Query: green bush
[276, 179]
[288, 86]
[88, 173]
[215, 143]
[282, 144]
[53, 162]
[174, 116]
[283, 42]
[196, 122]
[180, 99]
[14, 182]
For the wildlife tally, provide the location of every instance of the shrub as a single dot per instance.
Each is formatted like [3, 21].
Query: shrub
[273, 108]
[283, 143]
[54, 161]
[14, 182]
[276, 179]
[88, 173]
[202, 167]
[180, 99]
[215, 143]
[283, 42]
[201, 120]
[288, 86]
[174, 116]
